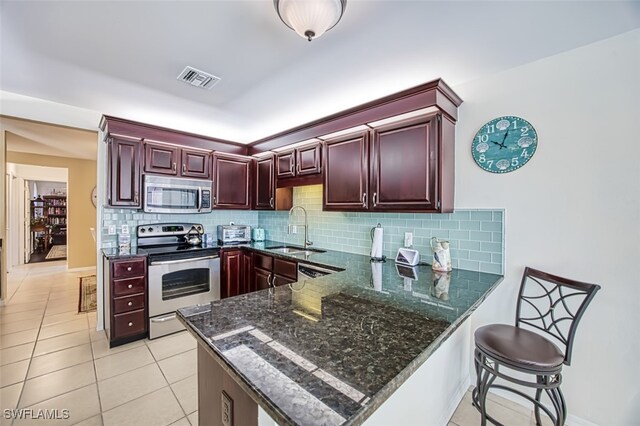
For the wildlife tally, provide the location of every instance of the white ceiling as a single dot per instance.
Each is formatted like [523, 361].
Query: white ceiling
[121, 58]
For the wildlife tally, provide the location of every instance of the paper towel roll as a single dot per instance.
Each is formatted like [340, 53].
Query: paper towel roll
[376, 244]
[376, 275]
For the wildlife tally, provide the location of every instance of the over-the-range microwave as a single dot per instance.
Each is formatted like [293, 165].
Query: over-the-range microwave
[176, 195]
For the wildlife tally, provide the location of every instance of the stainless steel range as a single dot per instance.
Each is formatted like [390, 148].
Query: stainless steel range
[182, 272]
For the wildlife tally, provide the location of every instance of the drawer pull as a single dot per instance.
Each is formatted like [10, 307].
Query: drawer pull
[130, 304]
[130, 324]
[129, 269]
[130, 286]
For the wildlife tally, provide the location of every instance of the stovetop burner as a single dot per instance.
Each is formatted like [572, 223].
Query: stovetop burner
[165, 241]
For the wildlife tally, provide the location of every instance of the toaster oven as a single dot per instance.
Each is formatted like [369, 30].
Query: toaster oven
[234, 234]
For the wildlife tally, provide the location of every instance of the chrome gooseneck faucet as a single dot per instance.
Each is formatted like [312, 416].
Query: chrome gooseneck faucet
[307, 243]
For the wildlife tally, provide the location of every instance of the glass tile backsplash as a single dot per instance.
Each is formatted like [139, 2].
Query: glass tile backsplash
[476, 236]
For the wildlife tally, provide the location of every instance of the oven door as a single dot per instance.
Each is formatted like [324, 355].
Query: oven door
[175, 284]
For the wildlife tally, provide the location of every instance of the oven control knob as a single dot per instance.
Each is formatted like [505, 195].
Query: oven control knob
[142, 230]
[150, 229]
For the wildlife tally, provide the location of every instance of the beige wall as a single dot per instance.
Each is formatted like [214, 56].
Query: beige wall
[81, 249]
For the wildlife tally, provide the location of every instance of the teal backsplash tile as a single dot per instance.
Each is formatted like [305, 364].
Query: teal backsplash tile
[350, 232]
[475, 236]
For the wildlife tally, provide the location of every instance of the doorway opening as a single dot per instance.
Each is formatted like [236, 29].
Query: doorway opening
[37, 214]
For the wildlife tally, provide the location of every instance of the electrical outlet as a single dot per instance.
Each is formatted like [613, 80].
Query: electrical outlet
[408, 239]
[112, 230]
[124, 229]
[294, 229]
[227, 410]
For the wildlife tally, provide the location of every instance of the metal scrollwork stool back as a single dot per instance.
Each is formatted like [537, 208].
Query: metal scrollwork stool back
[552, 305]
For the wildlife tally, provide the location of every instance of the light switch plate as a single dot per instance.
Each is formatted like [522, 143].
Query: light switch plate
[112, 230]
[227, 410]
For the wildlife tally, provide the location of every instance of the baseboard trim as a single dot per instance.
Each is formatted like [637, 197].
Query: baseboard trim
[455, 401]
[84, 268]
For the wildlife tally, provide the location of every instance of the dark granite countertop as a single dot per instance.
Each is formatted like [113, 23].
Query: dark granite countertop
[115, 253]
[331, 350]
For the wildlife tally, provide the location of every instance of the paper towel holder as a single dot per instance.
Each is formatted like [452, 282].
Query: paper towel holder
[377, 259]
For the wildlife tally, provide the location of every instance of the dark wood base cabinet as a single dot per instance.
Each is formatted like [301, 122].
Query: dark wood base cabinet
[243, 272]
[125, 299]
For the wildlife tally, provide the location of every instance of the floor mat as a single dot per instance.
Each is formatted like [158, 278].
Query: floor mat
[57, 252]
[88, 301]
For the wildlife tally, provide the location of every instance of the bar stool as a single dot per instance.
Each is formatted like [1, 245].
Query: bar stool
[552, 305]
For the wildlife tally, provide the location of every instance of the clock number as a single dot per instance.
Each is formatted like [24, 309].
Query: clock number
[525, 154]
[491, 128]
[482, 158]
[514, 162]
[524, 131]
[483, 138]
[515, 124]
[490, 163]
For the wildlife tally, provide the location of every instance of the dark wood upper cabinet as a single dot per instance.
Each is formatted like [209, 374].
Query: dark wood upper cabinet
[404, 166]
[173, 160]
[124, 172]
[265, 184]
[286, 164]
[346, 173]
[161, 159]
[231, 181]
[308, 160]
[195, 163]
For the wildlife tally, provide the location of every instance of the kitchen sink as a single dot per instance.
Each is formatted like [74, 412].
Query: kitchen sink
[295, 250]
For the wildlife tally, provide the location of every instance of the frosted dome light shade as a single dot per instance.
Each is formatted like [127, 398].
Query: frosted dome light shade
[310, 18]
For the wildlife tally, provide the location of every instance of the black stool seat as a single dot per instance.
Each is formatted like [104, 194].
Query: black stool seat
[519, 347]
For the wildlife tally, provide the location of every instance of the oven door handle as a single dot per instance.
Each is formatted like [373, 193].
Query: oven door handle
[165, 318]
[172, 262]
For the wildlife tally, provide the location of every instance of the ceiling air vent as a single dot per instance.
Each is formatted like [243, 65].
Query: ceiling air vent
[198, 78]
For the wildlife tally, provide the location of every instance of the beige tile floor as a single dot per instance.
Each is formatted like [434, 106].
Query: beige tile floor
[52, 357]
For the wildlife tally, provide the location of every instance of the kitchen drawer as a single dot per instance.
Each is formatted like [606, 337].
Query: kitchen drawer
[128, 286]
[129, 324]
[128, 303]
[285, 268]
[262, 261]
[129, 268]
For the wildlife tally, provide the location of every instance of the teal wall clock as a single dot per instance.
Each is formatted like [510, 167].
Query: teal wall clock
[504, 144]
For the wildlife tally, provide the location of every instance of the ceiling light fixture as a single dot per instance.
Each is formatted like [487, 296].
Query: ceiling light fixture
[310, 18]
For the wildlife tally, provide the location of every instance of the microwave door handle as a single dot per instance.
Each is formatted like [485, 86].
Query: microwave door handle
[199, 199]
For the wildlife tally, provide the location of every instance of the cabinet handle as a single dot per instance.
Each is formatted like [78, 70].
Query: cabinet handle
[129, 269]
[375, 199]
[184, 168]
[364, 200]
[291, 163]
[130, 304]
[135, 197]
[130, 286]
[130, 324]
[215, 200]
[271, 202]
[174, 167]
[298, 168]
[273, 281]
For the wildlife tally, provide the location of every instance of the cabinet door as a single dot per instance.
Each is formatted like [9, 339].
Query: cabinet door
[265, 184]
[231, 179]
[286, 164]
[160, 158]
[247, 270]
[261, 279]
[346, 172]
[279, 280]
[404, 166]
[195, 163]
[231, 273]
[124, 170]
[308, 160]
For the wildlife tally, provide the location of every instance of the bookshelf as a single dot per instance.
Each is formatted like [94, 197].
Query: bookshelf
[48, 222]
